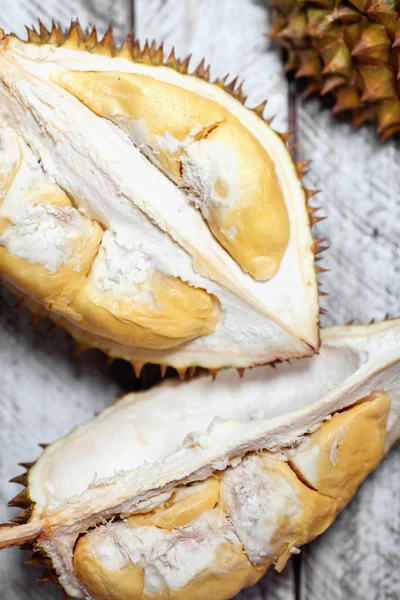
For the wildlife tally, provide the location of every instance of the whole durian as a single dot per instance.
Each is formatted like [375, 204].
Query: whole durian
[147, 210]
[349, 49]
[192, 490]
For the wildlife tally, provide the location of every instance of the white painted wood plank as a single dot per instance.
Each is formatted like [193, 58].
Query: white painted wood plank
[45, 389]
[358, 557]
[360, 183]
[16, 14]
[229, 35]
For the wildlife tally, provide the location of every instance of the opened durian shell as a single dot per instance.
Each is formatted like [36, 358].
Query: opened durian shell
[348, 49]
[203, 485]
[147, 210]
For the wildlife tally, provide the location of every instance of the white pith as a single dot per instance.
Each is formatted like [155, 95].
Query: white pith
[170, 436]
[109, 179]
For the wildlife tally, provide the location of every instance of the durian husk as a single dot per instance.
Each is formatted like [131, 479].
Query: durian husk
[350, 50]
[150, 54]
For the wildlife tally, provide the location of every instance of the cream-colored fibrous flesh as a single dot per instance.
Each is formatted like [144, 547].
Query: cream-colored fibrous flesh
[152, 222]
[172, 490]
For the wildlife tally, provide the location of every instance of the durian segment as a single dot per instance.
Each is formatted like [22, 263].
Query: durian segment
[228, 173]
[203, 559]
[336, 458]
[154, 453]
[161, 118]
[184, 506]
[112, 182]
[271, 510]
[47, 251]
[234, 182]
[125, 298]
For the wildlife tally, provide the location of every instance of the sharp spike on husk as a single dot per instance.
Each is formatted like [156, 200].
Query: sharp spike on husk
[286, 135]
[301, 165]
[21, 500]
[43, 32]
[27, 465]
[20, 479]
[23, 517]
[311, 193]
[137, 367]
[315, 220]
[33, 37]
[125, 50]
[74, 37]
[184, 65]
[38, 560]
[171, 60]
[259, 109]
[43, 446]
[322, 293]
[213, 373]
[163, 371]
[241, 373]
[192, 371]
[181, 373]
[48, 576]
[321, 270]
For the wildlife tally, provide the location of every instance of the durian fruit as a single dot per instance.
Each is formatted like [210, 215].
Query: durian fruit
[147, 210]
[349, 49]
[192, 490]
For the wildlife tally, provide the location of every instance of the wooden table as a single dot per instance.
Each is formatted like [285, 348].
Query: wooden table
[46, 390]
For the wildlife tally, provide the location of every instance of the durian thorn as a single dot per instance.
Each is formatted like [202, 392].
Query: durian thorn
[273, 365]
[269, 121]
[27, 465]
[136, 52]
[321, 270]
[43, 32]
[74, 37]
[192, 371]
[110, 360]
[213, 373]
[318, 241]
[259, 109]
[18, 535]
[372, 321]
[313, 209]
[125, 50]
[23, 517]
[220, 82]
[230, 88]
[323, 311]
[286, 135]
[301, 165]
[320, 249]
[184, 65]
[386, 318]
[322, 293]
[137, 367]
[351, 322]
[315, 220]
[33, 37]
[43, 446]
[21, 500]
[20, 479]
[37, 560]
[311, 193]
[181, 372]
[241, 372]
[106, 45]
[48, 576]
[163, 371]
[171, 60]
[56, 35]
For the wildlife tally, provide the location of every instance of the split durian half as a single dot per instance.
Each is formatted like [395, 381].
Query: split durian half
[194, 489]
[147, 210]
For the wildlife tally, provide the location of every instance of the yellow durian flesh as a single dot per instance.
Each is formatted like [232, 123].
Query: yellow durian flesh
[268, 508]
[75, 237]
[159, 312]
[228, 173]
[337, 457]
[37, 221]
